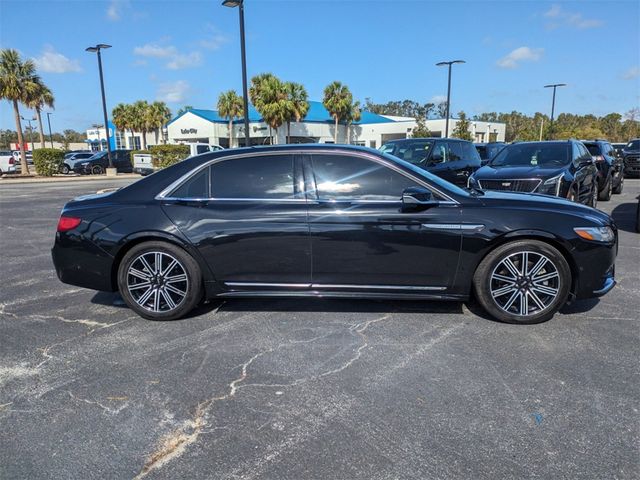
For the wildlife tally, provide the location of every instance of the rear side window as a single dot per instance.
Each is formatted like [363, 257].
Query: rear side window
[196, 187]
[269, 176]
[455, 151]
[344, 177]
[201, 149]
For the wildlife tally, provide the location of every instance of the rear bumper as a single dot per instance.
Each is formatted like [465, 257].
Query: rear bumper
[81, 263]
[143, 171]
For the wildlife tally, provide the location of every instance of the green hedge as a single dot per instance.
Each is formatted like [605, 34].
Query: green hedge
[48, 161]
[136, 152]
[163, 156]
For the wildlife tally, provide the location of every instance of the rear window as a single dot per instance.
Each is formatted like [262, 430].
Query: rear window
[413, 152]
[594, 148]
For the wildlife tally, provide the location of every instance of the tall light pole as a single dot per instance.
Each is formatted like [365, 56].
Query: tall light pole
[553, 105]
[49, 122]
[96, 49]
[441, 64]
[29, 120]
[245, 94]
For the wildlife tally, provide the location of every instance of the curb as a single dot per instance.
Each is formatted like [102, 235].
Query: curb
[17, 179]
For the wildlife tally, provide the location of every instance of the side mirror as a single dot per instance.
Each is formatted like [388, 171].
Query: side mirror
[418, 197]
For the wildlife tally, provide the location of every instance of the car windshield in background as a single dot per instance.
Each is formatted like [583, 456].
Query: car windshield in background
[412, 152]
[492, 150]
[532, 155]
[634, 145]
[98, 155]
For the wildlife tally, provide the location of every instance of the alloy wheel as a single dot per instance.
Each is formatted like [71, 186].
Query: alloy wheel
[525, 283]
[157, 281]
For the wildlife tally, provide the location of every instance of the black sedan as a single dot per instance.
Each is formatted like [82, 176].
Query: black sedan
[560, 168]
[99, 163]
[330, 221]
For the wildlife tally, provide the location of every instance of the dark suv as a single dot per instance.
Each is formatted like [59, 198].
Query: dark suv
[449, 158]
[610, 168]
[631, 155]
[99, 163]
[488, 150]
[559, 168]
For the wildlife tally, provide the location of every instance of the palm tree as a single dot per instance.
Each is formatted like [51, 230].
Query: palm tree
[267, 93]
[140, 120]
[297, 104]
[337, 100]
[121, 116]
[42, 97]
[353, 115]
[160, 115]
[18, 83]
[230, 106]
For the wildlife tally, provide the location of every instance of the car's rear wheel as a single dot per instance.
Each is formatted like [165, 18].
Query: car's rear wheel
[605, 193]
[593, 201]
[65, 169]
[159, 281]
[618, 188]
[97, 170]
[523, 282]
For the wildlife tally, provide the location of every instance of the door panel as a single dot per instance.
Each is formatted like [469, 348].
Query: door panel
[247, 239]
[366, 241]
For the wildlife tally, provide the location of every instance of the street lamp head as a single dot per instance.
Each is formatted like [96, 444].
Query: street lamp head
[442, 64]
[231, 3]
[103, 46]
[556, 85]
[97, 48]
[91, 49]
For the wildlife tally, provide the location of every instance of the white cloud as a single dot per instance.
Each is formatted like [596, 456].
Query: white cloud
[54, 62]
[633, 72]
[114, 9]
[155, 51]
[520, 54]
[173, 92]
[214, 41]
[175, 59]
[188, 60]
[574, 19]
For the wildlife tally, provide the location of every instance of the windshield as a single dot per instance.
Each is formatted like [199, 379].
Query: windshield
[98, 155]
[634, 145]
[493, 149]
[413, 152]
[419, 172]
[532, 155]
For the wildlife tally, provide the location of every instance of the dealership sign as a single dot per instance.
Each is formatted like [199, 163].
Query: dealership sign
[188, 131]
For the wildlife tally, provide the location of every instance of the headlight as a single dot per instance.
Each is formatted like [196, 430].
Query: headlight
[551, 186]
[596, 234]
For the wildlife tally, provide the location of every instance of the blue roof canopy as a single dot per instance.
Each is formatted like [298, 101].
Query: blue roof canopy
[317, 114]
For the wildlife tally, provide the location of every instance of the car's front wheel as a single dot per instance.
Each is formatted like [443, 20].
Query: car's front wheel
[65, 169]
[618, 188]
[159, 281]
[523, 282]
[607, 190]
[97, 170]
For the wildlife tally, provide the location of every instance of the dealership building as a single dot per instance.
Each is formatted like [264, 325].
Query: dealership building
[207, 126]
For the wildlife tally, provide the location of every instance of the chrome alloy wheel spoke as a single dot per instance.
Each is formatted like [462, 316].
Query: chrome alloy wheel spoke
[524, 283]
[161, 288]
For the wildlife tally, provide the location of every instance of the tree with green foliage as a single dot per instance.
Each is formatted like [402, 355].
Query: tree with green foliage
[297, 104]
[353, 115]
[18, 83]
[184, 109]
[230, 106]
[338, 100]
[462, 127]
[268, 95]
[122, 117]
[159, 116]
[421, 130]
[400, 108]
[41, 97]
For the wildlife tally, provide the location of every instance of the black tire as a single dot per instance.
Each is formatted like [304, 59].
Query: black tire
[607, 190]
[159, 291]
[593, 201]
[486, 286]
[97, 170]
[618, 188]
[65, 169]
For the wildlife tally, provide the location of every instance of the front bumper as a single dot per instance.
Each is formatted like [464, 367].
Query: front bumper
[609, 283]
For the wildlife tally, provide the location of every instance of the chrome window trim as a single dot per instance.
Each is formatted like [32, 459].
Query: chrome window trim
[335, 286]
[176, 183]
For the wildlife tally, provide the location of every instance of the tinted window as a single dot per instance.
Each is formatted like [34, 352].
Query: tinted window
[455, 151]
[594, 148]
[201, 149]
[493, 149]
[413, 152]
[633, 145]
[269, 176]
[196, 187]
[440, 153]
[584, 153]
[532, 154]
[347, 178]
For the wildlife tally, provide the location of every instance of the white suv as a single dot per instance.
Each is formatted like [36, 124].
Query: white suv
[7, 162]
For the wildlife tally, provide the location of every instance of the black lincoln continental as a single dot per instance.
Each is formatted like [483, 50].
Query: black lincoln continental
[330, 221]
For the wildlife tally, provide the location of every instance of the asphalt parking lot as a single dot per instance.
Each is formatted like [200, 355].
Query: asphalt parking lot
[306, 389]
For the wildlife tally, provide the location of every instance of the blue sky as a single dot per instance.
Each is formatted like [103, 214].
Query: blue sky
[187, 52]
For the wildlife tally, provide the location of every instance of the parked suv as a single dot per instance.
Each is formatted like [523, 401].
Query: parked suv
[449, 158]
[559, 168]
[98, 163]
[610, 168]
[488, 150]
[72, 158]
[632, 158]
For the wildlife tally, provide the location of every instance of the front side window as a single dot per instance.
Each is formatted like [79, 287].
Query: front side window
[260, 177]
[344, 177]
[440, 153]
[455, 151]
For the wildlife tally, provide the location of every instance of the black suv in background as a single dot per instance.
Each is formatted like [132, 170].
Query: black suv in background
[610, 168]
[99, 162]
[488, 150]
[631, 154]
[449, 158]
[559, 168]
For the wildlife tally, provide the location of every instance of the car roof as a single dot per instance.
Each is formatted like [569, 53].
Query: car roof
[407, 140]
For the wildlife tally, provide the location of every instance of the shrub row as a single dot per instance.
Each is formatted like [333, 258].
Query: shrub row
[48, 161]
[163, 156]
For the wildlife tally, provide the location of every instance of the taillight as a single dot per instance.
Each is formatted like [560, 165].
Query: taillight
[12, 161]
[68, 223]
